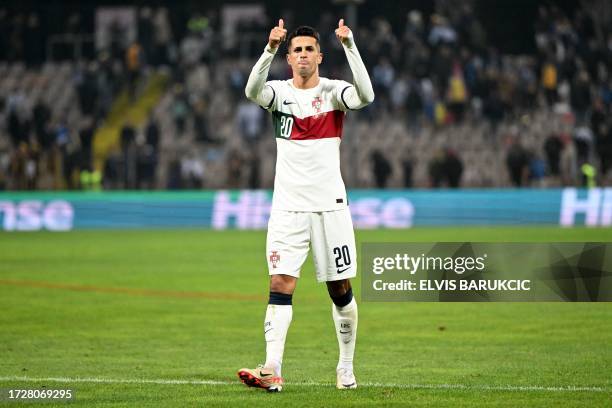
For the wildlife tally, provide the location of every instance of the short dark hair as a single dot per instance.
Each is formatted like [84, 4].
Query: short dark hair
[302, 31]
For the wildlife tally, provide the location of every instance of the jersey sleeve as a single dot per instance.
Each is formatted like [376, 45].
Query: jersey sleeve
[257, 89]
[360, 93]
[273, 88]
[340, 94]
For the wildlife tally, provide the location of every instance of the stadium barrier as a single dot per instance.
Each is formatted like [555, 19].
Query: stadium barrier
[250, 209]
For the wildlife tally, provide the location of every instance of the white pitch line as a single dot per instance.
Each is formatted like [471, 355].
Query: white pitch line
[98, 380]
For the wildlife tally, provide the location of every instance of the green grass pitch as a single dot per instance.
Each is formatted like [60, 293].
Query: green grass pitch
[166, 317]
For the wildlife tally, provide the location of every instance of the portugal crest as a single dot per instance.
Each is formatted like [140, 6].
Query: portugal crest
[316, 104]
[274, 258]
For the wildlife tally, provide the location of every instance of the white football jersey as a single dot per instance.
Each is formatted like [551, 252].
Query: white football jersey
[308, 129]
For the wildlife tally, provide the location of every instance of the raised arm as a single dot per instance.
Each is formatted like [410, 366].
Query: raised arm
[361, 93]
[256, 89]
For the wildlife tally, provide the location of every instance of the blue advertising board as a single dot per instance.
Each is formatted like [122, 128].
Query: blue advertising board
[250, 209]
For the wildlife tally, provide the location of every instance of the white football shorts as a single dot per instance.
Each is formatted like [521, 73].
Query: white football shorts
[331, 235]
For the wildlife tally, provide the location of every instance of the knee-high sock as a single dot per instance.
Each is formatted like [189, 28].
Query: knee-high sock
[345, 320]
[278, 319]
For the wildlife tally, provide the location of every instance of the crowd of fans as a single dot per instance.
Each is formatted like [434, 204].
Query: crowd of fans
[445, 72]
[437, 71]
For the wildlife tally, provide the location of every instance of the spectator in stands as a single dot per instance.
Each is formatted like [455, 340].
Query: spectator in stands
[174, 175]
[537, 170]
[86, 136]
[5, 176]
[17, 128]
[436, 169]
[162, 36]
[107, 84]
[408, 163]
[148, 155]
[605, 91]
[254, 167]
[180, 109]
[87, 86]
[383, 76]
[605, 152]
[146, 163]
[552, 148]
[445, 169]
[134, 62]
[581, 95]
[381, 168]
[441, 31]
[584, 142]
[602, 132]
[429, 99]
[23, 168]
[17, 120]
[441, 68]
[517, 160]
[152, 133]
[398, 94]
[549, 82]
[383, 38]
[192, 50]
[568, 162]
[202, 28]
[145, 32]
[250, 122]
[62, 134]
[41, 116]
[237, 81]
[192, 172]
[200, 123]
[457, 93]
[234, 169]
[472, 30]
[453, 168]
[527, 87]
[70, 166]
[413, 103]
[128, 149]
[414, 31]
[493, 108]
[117, 35]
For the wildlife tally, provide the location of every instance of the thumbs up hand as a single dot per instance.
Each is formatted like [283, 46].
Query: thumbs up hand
[343, 33]
[277, 34]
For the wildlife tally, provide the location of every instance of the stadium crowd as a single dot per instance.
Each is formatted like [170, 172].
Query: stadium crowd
[451, 109]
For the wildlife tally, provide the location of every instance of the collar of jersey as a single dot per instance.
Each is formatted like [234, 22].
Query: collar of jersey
[290, 81]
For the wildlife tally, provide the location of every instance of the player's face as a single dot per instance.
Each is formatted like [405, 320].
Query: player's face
[304, 55]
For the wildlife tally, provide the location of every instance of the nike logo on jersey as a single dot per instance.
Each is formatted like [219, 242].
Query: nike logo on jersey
[342, 270]
[287, 102]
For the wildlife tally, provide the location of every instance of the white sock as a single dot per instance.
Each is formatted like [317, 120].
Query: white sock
[278, 319]
[345, 320]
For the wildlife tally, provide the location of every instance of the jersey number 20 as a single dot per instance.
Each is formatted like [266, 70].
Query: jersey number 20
[286, 123]
[343, 257]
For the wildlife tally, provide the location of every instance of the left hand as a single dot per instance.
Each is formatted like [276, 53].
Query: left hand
[343, 33]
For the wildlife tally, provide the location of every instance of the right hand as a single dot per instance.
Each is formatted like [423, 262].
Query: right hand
[277, 35]
[343, 33]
